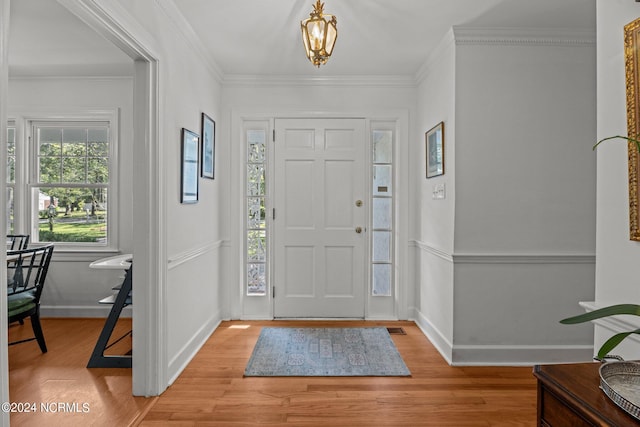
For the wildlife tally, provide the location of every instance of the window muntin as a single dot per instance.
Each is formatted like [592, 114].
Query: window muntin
[70, 182]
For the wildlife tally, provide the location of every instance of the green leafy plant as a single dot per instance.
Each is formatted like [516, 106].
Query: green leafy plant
[613, 310]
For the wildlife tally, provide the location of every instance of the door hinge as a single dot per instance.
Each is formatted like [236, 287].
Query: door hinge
[273, 291]
[273, 138]
[273, 213]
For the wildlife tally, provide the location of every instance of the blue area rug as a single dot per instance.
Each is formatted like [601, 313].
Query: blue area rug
[286, 352]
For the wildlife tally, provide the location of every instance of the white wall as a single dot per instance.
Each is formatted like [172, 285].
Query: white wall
[189, 85]
[434, 218]
[524, 198]
[360, 97]
[617, 268]
[72, 288]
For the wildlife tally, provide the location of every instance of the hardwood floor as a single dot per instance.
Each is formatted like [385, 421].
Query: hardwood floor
[212, 390]
[96, 397]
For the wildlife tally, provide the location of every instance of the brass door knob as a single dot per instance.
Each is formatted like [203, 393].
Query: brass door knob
[358, 203]
[358, 230]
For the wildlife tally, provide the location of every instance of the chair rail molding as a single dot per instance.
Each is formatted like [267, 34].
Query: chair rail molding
[506, 258]
[425, 247]
[190, 254]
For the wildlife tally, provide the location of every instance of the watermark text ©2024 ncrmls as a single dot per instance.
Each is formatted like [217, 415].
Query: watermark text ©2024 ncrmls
[47, 407]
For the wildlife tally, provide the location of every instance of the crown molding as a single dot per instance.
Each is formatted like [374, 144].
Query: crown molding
[57, 77]
[506, 36]
[183, 27]
[241, 80]
[524, 36]
[445, 44]
[72, 72]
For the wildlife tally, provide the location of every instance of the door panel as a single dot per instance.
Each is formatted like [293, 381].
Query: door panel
[319, 259]
[339, 195]
[298, 200]
[339, 271]
[298, 263]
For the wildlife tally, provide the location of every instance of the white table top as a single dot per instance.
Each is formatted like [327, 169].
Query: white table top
[118, 262]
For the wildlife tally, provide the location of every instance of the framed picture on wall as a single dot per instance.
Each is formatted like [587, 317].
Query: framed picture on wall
[434, 144]
[189, 167]
[208, 149]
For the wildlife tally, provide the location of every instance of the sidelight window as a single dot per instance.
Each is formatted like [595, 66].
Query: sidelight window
[382, 213]
[11, 176]
[255, 212]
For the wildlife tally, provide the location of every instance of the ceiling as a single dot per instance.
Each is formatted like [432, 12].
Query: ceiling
[259, 37]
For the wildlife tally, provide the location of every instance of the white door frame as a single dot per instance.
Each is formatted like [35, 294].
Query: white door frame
[150, 362]
[252, 307]
[4, 85]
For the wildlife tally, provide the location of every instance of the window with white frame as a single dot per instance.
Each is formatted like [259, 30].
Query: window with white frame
[70, 183]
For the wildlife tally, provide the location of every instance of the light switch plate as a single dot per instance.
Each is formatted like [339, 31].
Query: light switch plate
[438, 192]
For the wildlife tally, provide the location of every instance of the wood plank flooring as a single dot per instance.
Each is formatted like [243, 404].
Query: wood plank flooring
[212, 391]
[61, 376]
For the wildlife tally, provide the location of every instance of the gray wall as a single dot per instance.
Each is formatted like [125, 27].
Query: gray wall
[523, 195]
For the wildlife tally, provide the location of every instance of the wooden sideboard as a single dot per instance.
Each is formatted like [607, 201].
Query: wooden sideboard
[569, 395]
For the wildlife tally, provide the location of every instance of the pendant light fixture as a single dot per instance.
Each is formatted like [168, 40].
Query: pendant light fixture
[319, 34]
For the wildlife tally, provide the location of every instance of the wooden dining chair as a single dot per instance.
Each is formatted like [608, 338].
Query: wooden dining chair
[17, 242]
[26, 275]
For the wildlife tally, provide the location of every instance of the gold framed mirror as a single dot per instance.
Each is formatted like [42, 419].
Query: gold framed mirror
[631, 45]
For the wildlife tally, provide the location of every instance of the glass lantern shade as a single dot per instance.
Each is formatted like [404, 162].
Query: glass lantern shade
[319, 34]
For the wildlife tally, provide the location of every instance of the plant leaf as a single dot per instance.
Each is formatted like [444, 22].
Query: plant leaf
[633, 309]
[634, 140]
[613, 342]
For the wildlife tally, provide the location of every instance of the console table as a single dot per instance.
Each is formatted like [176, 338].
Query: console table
[570, 395]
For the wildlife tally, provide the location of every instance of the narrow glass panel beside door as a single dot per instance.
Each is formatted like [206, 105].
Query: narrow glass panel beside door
[255, 213]
[382, 213]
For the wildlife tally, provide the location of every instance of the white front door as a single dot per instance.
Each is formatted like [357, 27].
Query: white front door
[320, 218]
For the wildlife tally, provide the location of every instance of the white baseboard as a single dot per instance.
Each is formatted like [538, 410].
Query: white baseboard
[439, 341]
[501, 355]
[180, 361]
[100, 311]
[256, 317]
[519, 355]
